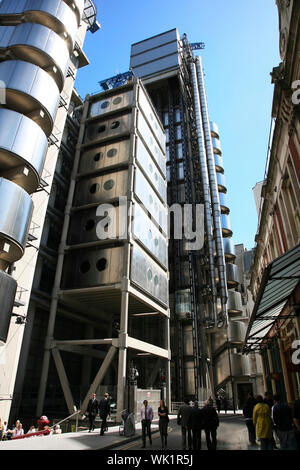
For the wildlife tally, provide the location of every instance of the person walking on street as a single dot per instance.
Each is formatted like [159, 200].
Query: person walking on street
[269, 401]
[218, 404]
[263, 423]
[104, 412]
[18, 431]
[283, 423]
[183, 419]
[163, 414]
[196, 425]
[225, 404]
[92, 411]
[296, 419]
[248, 416]
[146, 419]
[210, 423]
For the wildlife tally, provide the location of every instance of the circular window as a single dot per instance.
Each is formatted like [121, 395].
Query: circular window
[149, 274]
[117, 100]
[115, 124]
[156, 207]
[156, 280]
[112, 153]
[156, 150]
[94, 188]
[90, 224]
[151, 116]
[151, 140]
[149, 234]
[108, 185]
[98, 156]
[156, 241]
[85, 267]
[150, 168]
[101, 128]
[104, 104]
[151, 199]
[101, 264]
[155, 176]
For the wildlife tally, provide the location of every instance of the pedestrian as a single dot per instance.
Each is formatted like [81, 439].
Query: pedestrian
[1, 430]
[57, 429]
[5, 430]
[248, 416]
[146, 420]
[163, 423]
[18, 431]
[218, 404]
[296, 419]
[183, 419]
[196, 425]
[104, 412]
[269, 401]
[92, 411]
[31, 430]
[263, 423]
[283, 424]
[43, 423]
[210, 423]
[225, 404]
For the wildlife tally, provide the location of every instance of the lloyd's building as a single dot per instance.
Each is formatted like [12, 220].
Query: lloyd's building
[113, 289]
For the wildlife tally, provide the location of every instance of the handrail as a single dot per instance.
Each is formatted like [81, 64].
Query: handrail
[68, 417]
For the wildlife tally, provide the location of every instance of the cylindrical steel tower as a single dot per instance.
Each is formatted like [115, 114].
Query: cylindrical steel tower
[37, 39]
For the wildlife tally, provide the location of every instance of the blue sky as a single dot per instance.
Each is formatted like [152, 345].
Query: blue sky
[242, 47]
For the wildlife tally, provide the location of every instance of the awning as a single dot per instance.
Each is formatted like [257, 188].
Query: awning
[280, 279]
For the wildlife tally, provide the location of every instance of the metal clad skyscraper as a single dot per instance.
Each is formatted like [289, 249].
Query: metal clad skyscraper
[203, 283]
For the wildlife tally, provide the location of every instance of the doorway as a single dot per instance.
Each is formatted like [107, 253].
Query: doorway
[242, 393]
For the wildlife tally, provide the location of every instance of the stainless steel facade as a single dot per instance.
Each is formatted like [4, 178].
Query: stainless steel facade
[203, 285]
[113, 266]
[36, 42]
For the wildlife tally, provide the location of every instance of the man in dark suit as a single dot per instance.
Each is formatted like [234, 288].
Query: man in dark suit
[92, 411]
[197, 424]
[211, 423]
[104, 412]
[183, 418]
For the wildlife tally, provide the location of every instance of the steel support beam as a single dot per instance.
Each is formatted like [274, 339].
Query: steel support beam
[100, 376]
[63, 380]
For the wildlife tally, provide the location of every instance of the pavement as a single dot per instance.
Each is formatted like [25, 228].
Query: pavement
[232, 435]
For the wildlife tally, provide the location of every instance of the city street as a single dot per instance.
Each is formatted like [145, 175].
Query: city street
[232, 435]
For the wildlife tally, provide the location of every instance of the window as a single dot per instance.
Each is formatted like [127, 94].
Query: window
[98, 156]
[112, 153]
[117, 100]
[178, 132]
[90, 224]
[94, 188]
[85, 267]
[101, 264]
[115, 124]
[108, 185]
[101, 128]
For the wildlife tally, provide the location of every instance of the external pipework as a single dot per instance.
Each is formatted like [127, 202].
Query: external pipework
[37, 38]
[205, 184]
[222, 316]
